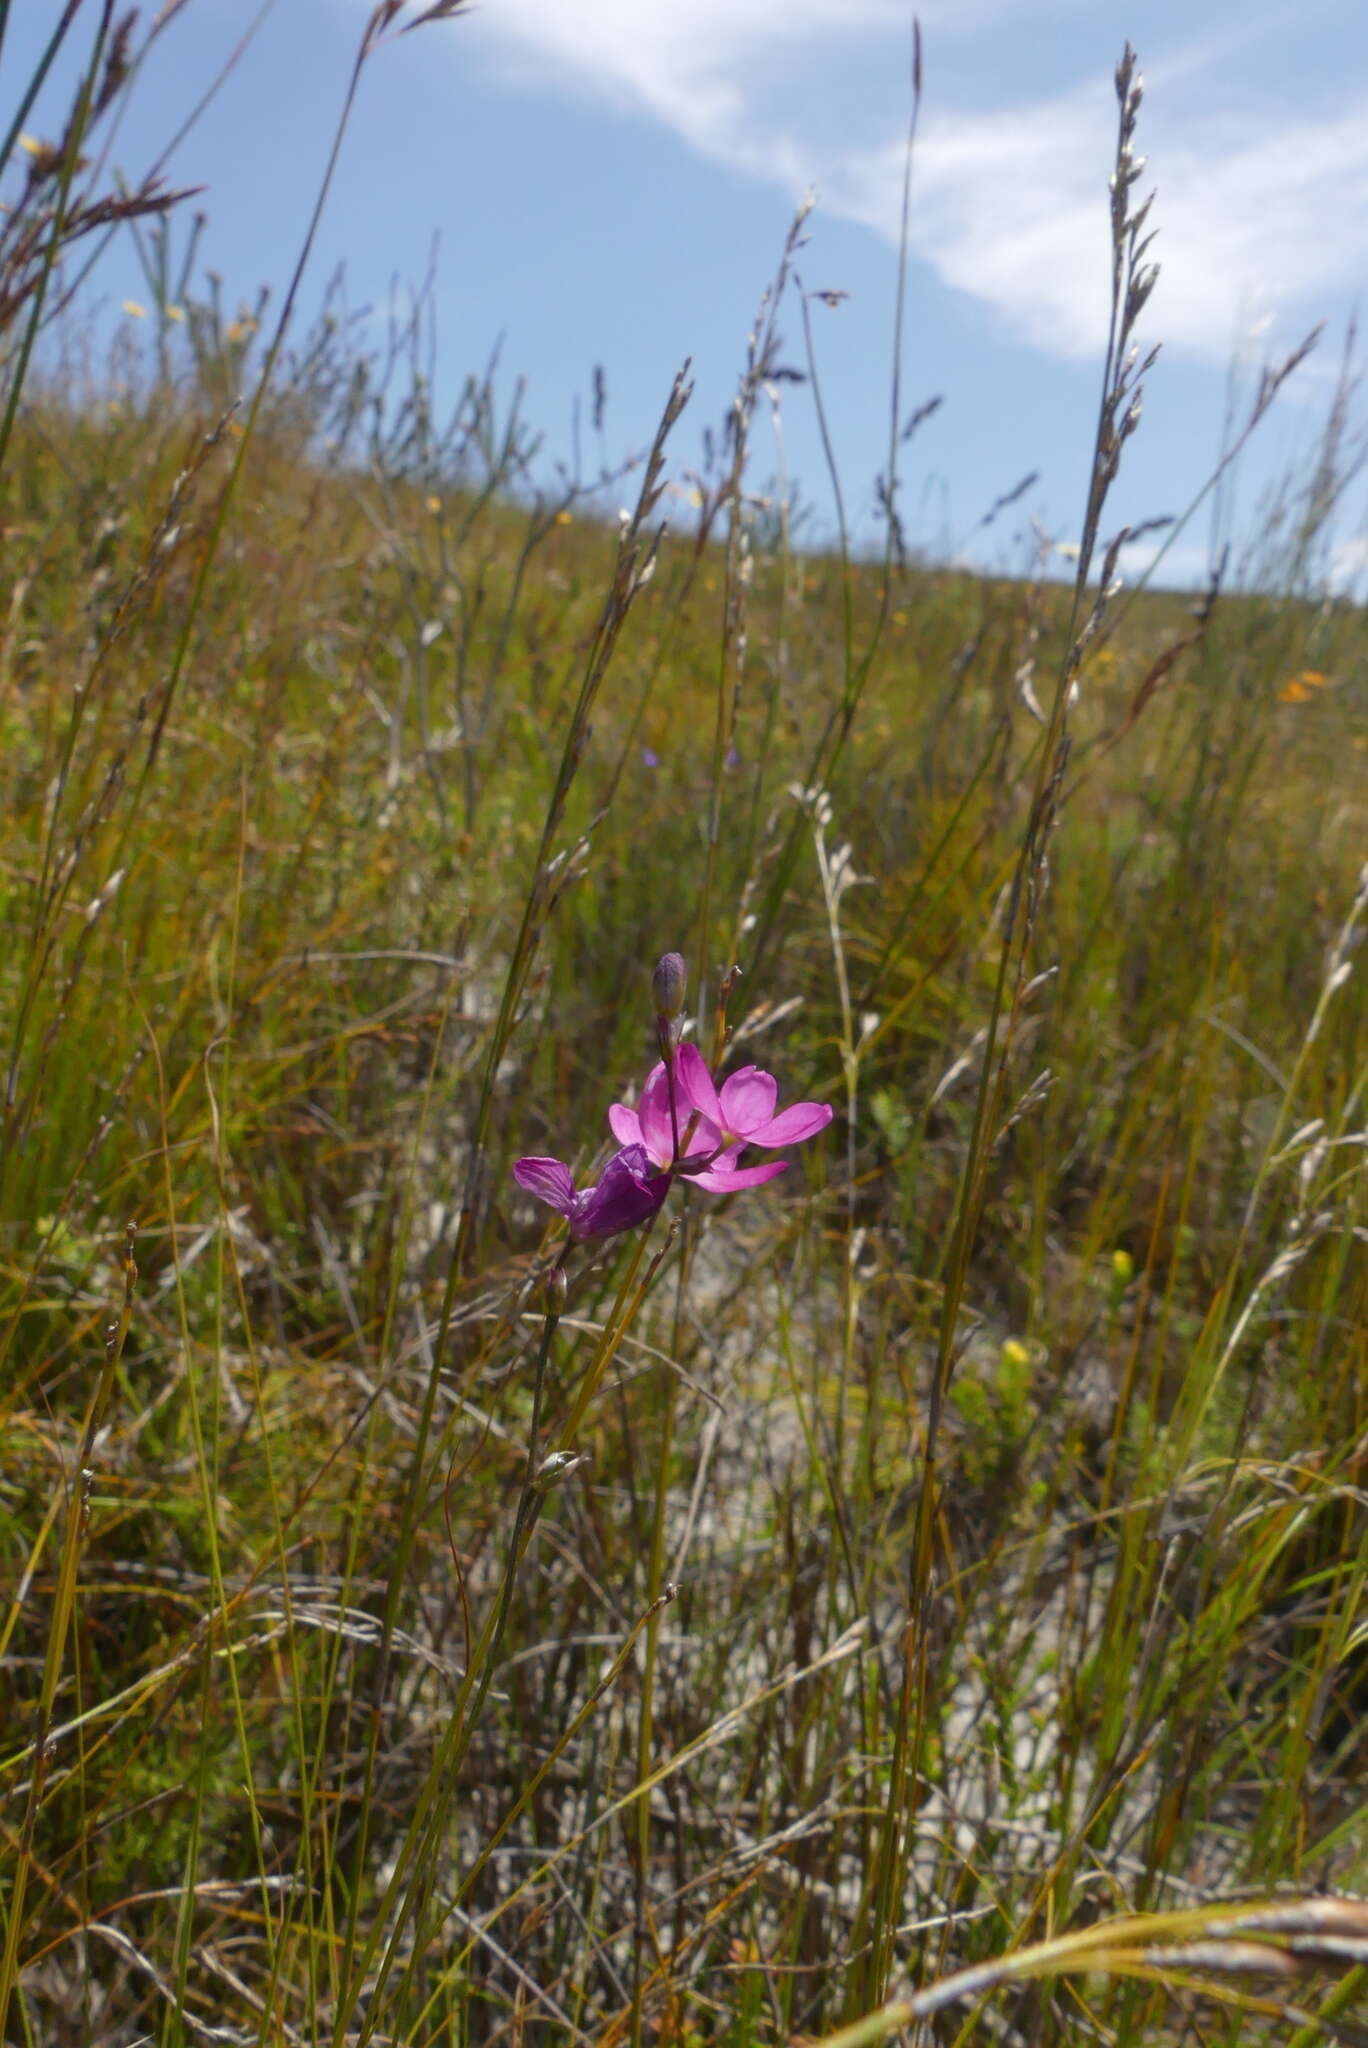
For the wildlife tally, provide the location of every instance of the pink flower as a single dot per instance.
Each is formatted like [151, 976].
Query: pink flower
[716, 1169]
[626, 1193]
[742, 1111]
[712, 1127]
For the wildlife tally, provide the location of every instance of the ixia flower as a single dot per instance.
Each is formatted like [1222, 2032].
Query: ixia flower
[683, 1126]
[742, 1111]
[706, 1161]
[625, 1194]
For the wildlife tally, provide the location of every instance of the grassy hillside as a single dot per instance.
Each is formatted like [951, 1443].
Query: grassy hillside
[417, 1627]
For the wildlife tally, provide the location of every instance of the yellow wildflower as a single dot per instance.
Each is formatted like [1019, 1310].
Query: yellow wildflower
[1302, 686]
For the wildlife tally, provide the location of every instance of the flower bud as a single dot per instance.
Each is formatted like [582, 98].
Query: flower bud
[556, 1290]
[668, 984]
[559, 1466]
[1122, 1265]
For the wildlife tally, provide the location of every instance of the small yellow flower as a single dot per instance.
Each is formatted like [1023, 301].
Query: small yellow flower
[1302, 686]
[30, 145]
[563, 518]
[434, 504]
[1123, 1266]
[1014, 1353]
[175, 313]
[134, 310]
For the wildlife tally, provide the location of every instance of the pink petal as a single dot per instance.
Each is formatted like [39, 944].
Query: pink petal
[657, 1133]
[550, 1180]
[625, 1124]
[696, 1134]
[727, 1179]
[696, 1084]
[748, 1097]
[800, 1120]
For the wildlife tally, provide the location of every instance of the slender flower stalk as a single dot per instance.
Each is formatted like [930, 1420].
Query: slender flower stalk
[669, 984]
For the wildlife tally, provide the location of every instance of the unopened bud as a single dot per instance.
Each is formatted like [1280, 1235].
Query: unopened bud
[559, 1466]
[556, 1289]
[668, 985]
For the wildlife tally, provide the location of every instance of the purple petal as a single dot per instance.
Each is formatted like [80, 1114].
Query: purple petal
[800, 1120]
[625, 1196]
[748, 1097]
[550, 1180]
[725, 1180]
[696, 1084]
[625, 1124]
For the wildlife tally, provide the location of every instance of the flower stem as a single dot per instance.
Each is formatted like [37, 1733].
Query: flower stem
[665, 1038]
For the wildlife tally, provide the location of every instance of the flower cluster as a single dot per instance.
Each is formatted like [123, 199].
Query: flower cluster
[683, 1127]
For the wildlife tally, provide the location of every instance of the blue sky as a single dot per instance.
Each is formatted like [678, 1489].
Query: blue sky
[611, 182]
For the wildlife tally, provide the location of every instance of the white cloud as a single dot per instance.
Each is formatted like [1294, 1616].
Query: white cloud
[1256, 228]
[1349, 564]
[1009, 207]
[1257, 221]
[693, 67]
[1186, 565]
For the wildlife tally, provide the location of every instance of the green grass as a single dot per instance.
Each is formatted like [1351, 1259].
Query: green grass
[965, 1541]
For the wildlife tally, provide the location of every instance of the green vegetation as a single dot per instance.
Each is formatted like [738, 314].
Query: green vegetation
[963, 1541]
